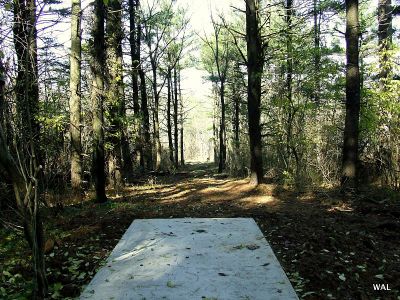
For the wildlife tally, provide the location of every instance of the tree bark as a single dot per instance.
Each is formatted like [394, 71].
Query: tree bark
[98, 65]
[120, 163]
[27, 98]
[181, 122]
[255, 65]
[289, 80]
[75, 99]
[156, 96]
[169, 125]
[26, 195]
[146, 121]
[215, 125]
[350, 141]
[289, 50]
[385, 31]
[145, 143]
[27, 88]
[237, 77]
[176, 137]
[317, 51]
[236, 121]
[222, 135]
[26, 188]
[134, 40]
[2, 85]
[133, 11]
[127, 160]
[222, 60]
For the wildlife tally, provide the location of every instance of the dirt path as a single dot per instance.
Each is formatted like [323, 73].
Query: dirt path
[330, 247]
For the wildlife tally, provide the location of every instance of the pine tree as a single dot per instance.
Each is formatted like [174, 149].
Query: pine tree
[75, 98]
[255, 65]
[98, 65]
[350, 141]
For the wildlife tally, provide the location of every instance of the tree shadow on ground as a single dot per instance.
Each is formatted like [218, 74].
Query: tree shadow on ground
[332, 246]
[329, 243]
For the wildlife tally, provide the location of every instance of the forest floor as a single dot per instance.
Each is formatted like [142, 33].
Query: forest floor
[331, 246]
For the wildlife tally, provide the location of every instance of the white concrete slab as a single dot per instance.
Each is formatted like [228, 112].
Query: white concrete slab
[190, 259]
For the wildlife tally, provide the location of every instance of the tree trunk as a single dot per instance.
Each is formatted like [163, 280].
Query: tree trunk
[255, 64]
[169, 125]
[350, 141]
[289, 50]
[145, 146]
[289, 80]
[176, 137]
[134, 40]
[317, 51]
[157, 142]
[75, 99]
[26, 188]
[120, 162]
[98, 66]
[2, 85]
[133, 11]
[236, 108]
[291, 150]
[146, 121]
[236, 121]
[215, 126]
[26, 87]
[385, 31]
[181, 121]
[26, 195]
[222, 145]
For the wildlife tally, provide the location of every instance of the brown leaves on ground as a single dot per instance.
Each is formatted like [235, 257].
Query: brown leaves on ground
[331, 246]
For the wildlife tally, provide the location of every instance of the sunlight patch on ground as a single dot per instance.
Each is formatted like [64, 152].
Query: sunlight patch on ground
[265, 199]
[231, 187]
[344, 207]
[210, 190]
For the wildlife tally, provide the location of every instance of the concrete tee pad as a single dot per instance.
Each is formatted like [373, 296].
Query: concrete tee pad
[191, 259]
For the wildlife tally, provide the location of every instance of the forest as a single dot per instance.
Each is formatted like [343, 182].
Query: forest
[285, 111]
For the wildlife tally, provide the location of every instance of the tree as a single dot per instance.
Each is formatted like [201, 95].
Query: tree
[120, 163]
[173, 57]
[255, 65]
[98, 65]
[176, 104]
[25, 175]
[169, 100]
[217, 63]
[146, 121]
[2, 84]
[75, 99]
[235, 86]
[155, 28]
[135, 51]
[25, 186]
[181, 121]
[385, 32]
[26, 88]
[141, 111]
[317, 49]
[162, 29]
[290, 149]
[289, 50]
[350, 141]
[134, 41]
